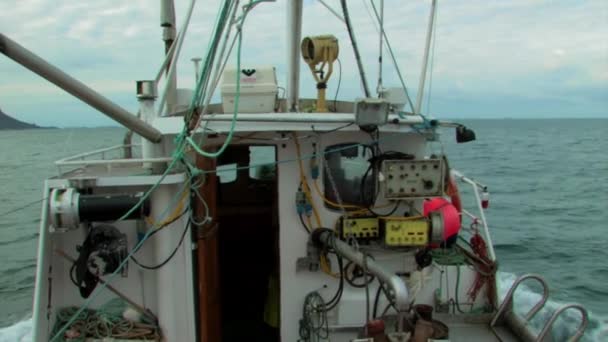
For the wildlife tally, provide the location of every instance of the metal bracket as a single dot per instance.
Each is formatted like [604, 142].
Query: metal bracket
[311, 261]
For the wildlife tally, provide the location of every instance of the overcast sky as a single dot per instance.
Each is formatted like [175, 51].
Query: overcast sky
[492, 59]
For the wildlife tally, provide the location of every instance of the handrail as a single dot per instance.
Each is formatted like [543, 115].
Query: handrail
[83, 155]
[581, 327]
[509, 298]
[116, 161]
[476, 186]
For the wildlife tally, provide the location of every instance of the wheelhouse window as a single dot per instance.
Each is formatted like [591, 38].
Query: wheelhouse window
[350, 172]
[227, 173]
[262, 162]
[242, 162]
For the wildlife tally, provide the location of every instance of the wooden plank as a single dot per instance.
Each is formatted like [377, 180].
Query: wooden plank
[207, 257]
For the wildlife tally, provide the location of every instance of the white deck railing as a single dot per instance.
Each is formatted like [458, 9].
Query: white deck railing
[109, 157]
[481, 219]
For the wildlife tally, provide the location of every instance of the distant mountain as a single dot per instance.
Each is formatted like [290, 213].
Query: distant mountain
[6, 122]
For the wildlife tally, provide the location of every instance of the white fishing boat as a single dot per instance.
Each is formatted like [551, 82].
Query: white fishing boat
[267, 217]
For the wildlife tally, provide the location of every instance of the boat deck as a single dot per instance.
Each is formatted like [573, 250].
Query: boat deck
[474, 329]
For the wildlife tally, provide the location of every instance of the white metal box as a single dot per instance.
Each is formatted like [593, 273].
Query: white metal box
[258, 89]
[371, 112]
[413, 178]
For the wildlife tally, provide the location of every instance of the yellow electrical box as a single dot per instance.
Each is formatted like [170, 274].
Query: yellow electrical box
[406, 232]
[361, 228]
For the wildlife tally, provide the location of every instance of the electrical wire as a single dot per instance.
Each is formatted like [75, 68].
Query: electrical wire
[333, 302]
[332, 203]
[352, 272]
[163, 263]
[304, 182]
[303, 223]
[178, 212]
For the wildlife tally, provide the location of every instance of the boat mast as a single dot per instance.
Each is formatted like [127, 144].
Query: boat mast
[167, 22]
[379, 87]
[294, 35]
[425, 59]
[71, 85]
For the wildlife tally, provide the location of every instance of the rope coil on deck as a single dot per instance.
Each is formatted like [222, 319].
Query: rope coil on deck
[107, 322]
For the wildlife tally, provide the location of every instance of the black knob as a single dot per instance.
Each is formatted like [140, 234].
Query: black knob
[428, 185]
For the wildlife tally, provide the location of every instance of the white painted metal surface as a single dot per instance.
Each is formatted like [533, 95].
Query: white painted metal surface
[294, 35]
[168, 292]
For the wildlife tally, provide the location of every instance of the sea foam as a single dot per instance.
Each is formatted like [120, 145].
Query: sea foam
[525, 299]
[18, 332]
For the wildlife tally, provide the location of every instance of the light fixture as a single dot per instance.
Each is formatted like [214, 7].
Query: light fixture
[321, 51]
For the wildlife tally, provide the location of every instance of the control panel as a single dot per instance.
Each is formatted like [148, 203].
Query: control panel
[361, 228]
[412, 178]
[400, 232]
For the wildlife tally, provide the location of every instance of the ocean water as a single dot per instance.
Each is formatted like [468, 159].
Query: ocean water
[548, 214]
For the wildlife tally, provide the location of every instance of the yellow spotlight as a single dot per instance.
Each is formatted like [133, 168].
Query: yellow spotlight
[321, 50]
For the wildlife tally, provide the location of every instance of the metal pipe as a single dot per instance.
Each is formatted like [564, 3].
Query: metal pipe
[395, 283]
[294, 35]
[425, 59]
[167, 22]
[305, 118]
[581, 328]
[71, 85]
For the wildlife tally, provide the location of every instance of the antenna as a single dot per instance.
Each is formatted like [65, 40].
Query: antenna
[425, 60]
[379, 88]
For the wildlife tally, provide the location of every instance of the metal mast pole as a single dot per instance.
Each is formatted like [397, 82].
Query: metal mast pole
[425, 60]
[167, 22]
[66, 82]
[294, 35]
[379, 88]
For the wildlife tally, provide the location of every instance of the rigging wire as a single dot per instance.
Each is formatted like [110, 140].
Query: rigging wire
[339, 83]
[353, 41]
[393, 58]
[434, 38]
